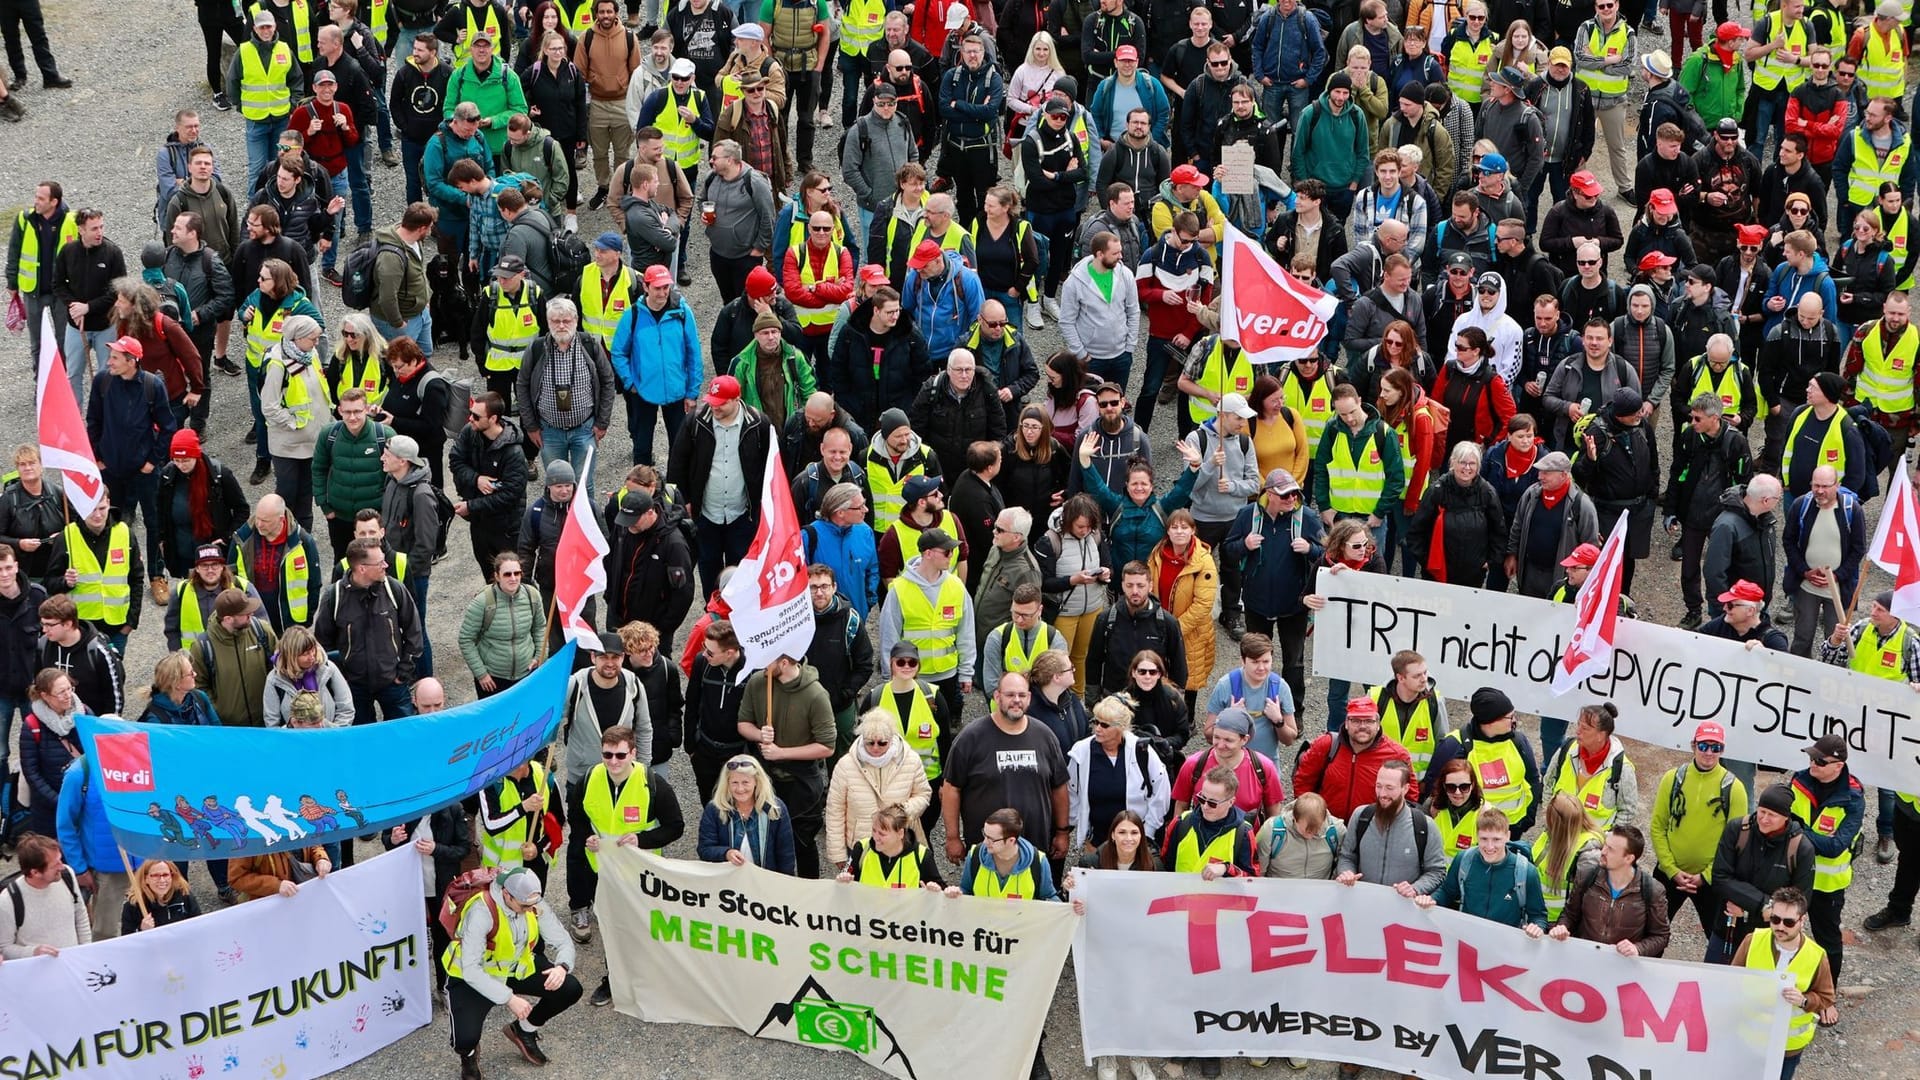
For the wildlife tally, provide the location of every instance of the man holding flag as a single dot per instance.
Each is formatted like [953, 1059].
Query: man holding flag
[63, 433]
[1896, 549]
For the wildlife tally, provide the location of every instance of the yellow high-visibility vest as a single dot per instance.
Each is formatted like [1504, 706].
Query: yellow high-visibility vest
[302, 31]
[295, 586]
[678, 142]
[377, 18]
[492, 26]
[1553, 886]
[1883, 67]
[863, 24]
[29, 280]
[600, 315]
[1886, 376]
[1725, 386]
[919, 727]
[1458, 827]
[1591, 795]
[515, 325]
[1599, 43]
[368, 376]
[1503, 775]
[987, 883]
[264, 93]
[1833, 448]
[1831, 873]
[909, 533]
[1355, 486]
[502, 961]
[810, 317]
[612, 819]
[933, 626]
[1312, 402]
[193, 625]
[905, 875]
[1413, 727]
[1188, 858]
[1803, 967]
[294, 394]
[262, 336]
[889, 492]
[1870, 171]
[1772, 70]
[1467, 65]
[1020, 661]
[503, 849]
[1218, 374]
[102, 593]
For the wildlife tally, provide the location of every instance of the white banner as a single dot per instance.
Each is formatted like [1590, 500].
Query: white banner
[1269, 968]
[284, 988]
[910, 982]
[1663, 680]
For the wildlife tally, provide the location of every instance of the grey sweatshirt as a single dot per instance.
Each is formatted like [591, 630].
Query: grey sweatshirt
[1094, 326]
[742, 213]
[1388, 853]
[1242, 471]
[476, 933]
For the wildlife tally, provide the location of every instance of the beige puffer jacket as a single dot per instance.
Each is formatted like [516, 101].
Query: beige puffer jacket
[857, 790]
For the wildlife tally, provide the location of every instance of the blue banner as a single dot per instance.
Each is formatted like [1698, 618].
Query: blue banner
[217, 792]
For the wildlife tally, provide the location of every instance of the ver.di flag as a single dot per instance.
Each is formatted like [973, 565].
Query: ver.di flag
[63, 431]
[579, 562]
[1896, 544]
[1273, 316]
[768, 594]
[1597, 609]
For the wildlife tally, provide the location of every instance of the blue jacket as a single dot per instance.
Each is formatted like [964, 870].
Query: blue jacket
[195, 711]
[658, 356]
[1787, 282]
[944, 310]
[1153, 98]
[775, 852]
[442, 151]
[1274, 577]
[970, 101]
[129, 422]
[1133, 529]
[85, 840]
[1029, 858]
[1507, 892]
[854, 554]
[1853, 541]
[1288, 47]
[1845, 794]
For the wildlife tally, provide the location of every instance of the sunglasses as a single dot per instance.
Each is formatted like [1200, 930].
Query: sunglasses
[1219, 63]
[1459, 271]
[1586, 262]
[1782, 921]
[905, 661]
[1210, 804]
[1710, 747]
[476, 417]
[740, 765]
[1749, 247]
[1820, 761]
[1103, 724]
[507, 573]
[1146, 671]
[1450, 787]
[1111, 404]
[616, 755]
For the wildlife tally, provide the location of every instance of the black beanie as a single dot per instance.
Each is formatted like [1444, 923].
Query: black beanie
[1489, 703]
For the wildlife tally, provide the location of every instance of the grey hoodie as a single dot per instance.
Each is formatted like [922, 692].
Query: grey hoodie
[742, 213]
[893, 627]
[1093, 325]
[530, 237]
[1515, 130]
[407, 508]
[1388, 853]
[874, 151]
[1242, 470]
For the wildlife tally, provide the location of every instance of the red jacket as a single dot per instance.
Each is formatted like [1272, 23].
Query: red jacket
[834, 287]
[1821, 129]
[1329, 768]
[330, 144]
[170, 354]
[1492, 405]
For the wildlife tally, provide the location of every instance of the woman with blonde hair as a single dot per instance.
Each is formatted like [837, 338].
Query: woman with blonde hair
[1567, 847]
[1186, 579]
[1032, 83]
[302, 665]
[892, 856]
[160, 896]
[745, 822]
[879, 770]
[176, 699]
[1132, 780]
[1518, 48]
[1055, 703]
[359, 359]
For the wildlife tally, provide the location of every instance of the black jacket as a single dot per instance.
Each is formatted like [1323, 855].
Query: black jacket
[1118, 633]
[19, 637]
[474, 456]
[417, 408]
[374, 633]
[561, 99]
[1741, 547]
[85, 275]
[1529, 276]
[800, 446]
[1703, 468]
[948, 425]
[1566, 221]
[1748, 873]
[32, 517]
[650, 577]
[713, 707]
[661, 682]
[841, 652]
[417, 101]
[690, 460]
[1031, 484]
[99, 681]
[227, 506]
[904, 366]
[975, 504]
[1625, 467]
[1474, 529]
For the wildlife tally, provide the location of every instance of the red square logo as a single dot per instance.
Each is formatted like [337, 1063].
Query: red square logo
[126, 764]
[1494, 775]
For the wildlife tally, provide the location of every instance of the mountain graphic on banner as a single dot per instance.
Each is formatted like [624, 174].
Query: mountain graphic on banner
[818, 1020]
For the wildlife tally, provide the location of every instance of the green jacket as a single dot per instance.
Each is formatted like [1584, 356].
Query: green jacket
[1332, 149]
[1392, 468]
[346, 470]
[546, 161]
[800, 380]
[1717, 93]
[500, 635]
[497, 95]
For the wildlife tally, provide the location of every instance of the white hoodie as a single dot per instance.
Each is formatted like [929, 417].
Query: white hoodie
[1505, 334]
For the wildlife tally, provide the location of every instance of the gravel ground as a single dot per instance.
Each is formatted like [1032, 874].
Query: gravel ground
[1880, 1034]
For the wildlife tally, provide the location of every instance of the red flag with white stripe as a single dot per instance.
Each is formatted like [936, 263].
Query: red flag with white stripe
[772, 613]
[1597, 610]
[579, 563]
[1896, 544]
[63, 431]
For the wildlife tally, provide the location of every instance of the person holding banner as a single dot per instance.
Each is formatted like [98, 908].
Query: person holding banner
[502, 931]
[624, 803]
[794, 739]
[514, 819]
[158, 896]
[1454, 805]
[1783, 945]
[1887, 647]
[892, 857]
[1629, 914]
[1473, 882]
[1501, 755]
[744, 823]
[278, 873]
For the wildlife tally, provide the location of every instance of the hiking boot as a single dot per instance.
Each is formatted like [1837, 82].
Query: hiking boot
[12, 111]
[1883, 851]
[1690, 620]
[332, 276]
[261, 470]
[57, 82]
[1231, 622]
[222, 102]
[1676, 554]
[1625, 196]
[527, 1042]
[470, 1065]
[581, 925]
[599, 199]
[602, 995]
[1886, 919]
[161, 591]
[1168, 391]
[389, 158]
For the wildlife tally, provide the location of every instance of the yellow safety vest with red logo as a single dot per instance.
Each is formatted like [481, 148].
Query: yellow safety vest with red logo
[1886, 375]
[1313, 401]
[1592, 794]
[1457, 827]
[1833, 448]
[933, 626]
[1503, 774]
[515, 326]
[1235, 377]
[103, 594]
[613, 819]
[1412, 726]
[918, 727]
[368, 376]
[1831, 873]
[294, 584]
[1355, 486]
[600, 314]
[1803, 967]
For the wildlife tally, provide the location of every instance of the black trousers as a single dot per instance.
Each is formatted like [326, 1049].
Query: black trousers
[1823, 920]
[490, 538]
[971, 168]
[1214, 533]
[1906, 874]
[469, 1009]
[1712, 916]
[802, 94]
[804, 790]
[16, 14]
[339, 535]
[583, 881]
[1693, 544]
[731, 274]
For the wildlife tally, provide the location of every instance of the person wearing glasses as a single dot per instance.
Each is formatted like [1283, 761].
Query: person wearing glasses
[502, 630]
[744, 823]
[1580, 219]
[921, 718]
[1783, 945]
[881, 771]
[374, 627]
[893, 857]
[626, 804]
[494, 960]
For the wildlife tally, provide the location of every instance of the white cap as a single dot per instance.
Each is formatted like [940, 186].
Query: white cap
[682, 68]
[1237, 405]
[956, 16]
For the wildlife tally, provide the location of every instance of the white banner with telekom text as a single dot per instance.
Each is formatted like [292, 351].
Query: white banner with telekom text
[282, 988]
[1268, 968]
[911, 982]
[1664, 680]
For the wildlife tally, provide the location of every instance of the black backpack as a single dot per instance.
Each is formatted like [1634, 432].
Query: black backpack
[1880, 451]
[11, 883]
[442, 508]
[567, 257]
[1422, 829]
[360, 281]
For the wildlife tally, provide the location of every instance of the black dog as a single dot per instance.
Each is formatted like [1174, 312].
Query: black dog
[452, 307]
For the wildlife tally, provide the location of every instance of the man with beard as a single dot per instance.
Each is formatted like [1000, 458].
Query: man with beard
[1619, 467]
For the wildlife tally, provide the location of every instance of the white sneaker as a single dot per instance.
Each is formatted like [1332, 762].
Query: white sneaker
[1052, 306]
[573, 223]
[1036, 320]
[1106, 1069]
[1141, 1069]
[582, 928]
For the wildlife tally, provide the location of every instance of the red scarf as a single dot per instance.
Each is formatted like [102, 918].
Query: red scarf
[1171, 564]
[1514, 470]
[1724, 55]
[1590, 763]
[1551, 499]
[197, 490]
[1437, 549]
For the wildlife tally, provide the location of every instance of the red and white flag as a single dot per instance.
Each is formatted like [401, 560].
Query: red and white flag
[772, 614]
[1597, 609]
[1273, 316]
[579, 563]
[63, 431]
[1896, 544]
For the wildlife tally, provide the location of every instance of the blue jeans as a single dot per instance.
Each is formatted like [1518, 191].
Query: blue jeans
[419, 328]
[1553, 733]
[410, 155]
[257, 374]
[573, 444]
[386, 114]
[1769, 118]
[853, 79]
[722, 545]
[1882, 823]
[342, 186]
[1114, 369]
[417, 585]
[866, 224]
[261, 137]
[395, 702]
[77, 344]
[361, 188]
[640, 422]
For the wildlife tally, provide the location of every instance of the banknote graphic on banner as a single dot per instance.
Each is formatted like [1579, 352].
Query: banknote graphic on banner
[1271, 968]
[197, 792]
[232, 993]
[910, 982]
[1662, 679]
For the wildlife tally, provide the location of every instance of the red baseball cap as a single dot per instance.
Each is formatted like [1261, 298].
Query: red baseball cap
[1653, 259]
[924, 256]
[658, 275]
[1585, 183]
[1662, 200]
[1584, 555]
[1362, 707]
[1187, 174]
[1709, 731]
[1127, 52]
[874, 274]
[130, 346]
[1730, 31]
[724, 389]
[1745, 592]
